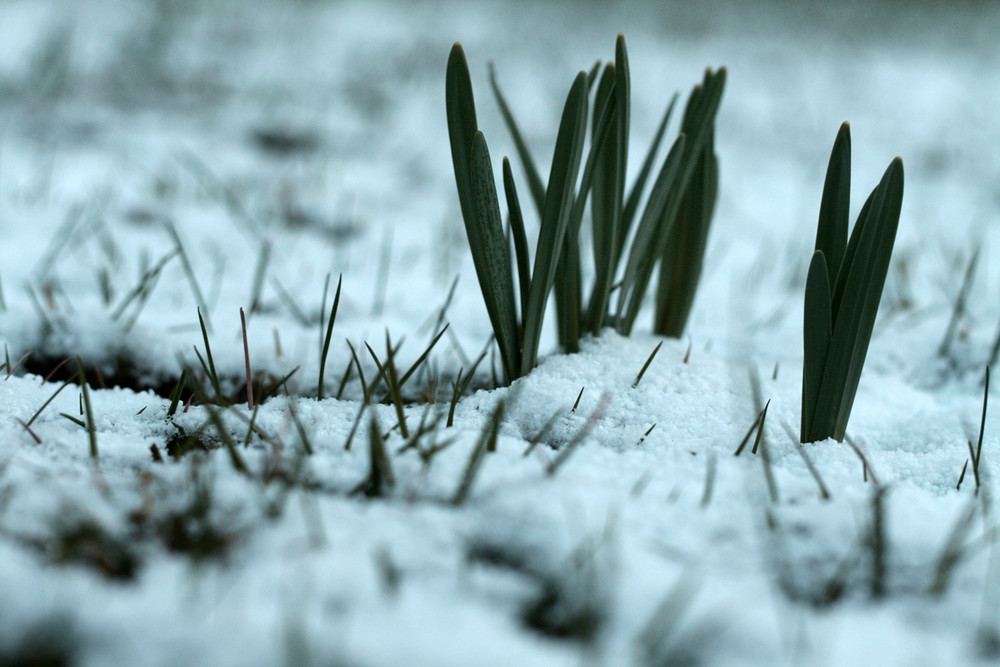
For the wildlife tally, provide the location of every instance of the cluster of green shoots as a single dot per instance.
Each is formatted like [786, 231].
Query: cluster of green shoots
[845, 279]
[843, 290]
[669, 231]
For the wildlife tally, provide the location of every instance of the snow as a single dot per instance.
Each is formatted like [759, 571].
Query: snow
[650, 543]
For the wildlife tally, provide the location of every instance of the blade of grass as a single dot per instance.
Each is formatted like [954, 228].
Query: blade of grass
[142, 289]
[325, 350]
[258, 276]
[213, 377]
[246, 357]
[649, 360]
[380, 475]
[91, 427]
[422, 358]
[388, 373]
[188, 270]
[175, 393]
[959, 310]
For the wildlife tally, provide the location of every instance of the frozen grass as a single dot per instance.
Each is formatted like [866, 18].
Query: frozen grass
[211, 455]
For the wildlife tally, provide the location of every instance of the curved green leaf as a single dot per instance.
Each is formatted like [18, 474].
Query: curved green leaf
[535, 185]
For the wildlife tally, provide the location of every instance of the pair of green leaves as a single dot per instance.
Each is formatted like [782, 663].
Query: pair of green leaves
[481, 212]
[843, 290]
[672, 228]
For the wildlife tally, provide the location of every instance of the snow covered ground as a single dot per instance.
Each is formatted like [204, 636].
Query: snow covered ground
[250, 151]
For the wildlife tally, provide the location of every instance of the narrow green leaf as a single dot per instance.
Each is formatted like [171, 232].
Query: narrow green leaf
[555, 217]
[491, 255]
[535, 185]
[834, 209]
[681, 266]
[642, 258]
[462, 125]
[423, 356]
[605, 202]
[849, 255]
[520, 238]
[325, 350]
[817, 330]
[635, 194]
[652, 237]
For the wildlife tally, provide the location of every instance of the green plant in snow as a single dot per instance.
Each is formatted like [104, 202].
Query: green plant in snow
[843, 290]
[671, 231]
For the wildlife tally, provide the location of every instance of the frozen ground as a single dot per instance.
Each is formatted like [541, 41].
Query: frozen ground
[292, 140]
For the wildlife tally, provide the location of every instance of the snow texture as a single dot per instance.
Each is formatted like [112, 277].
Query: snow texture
[309, 138]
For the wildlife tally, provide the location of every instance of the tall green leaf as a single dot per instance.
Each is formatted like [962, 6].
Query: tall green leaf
[518, 234]
[834, 209]
[555, 215]
[635, 194]
[817, 328]
[860, 283]
[491, 256]
[605, 203]
[462, 125]
[535, 184]
[680, 270]
[643, 257]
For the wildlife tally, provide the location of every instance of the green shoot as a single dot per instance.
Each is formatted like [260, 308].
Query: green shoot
[325, 350]
[246, 357]
[209, 368]
[380, 477]
[843, 290]
[91, 427]
[391, 378]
